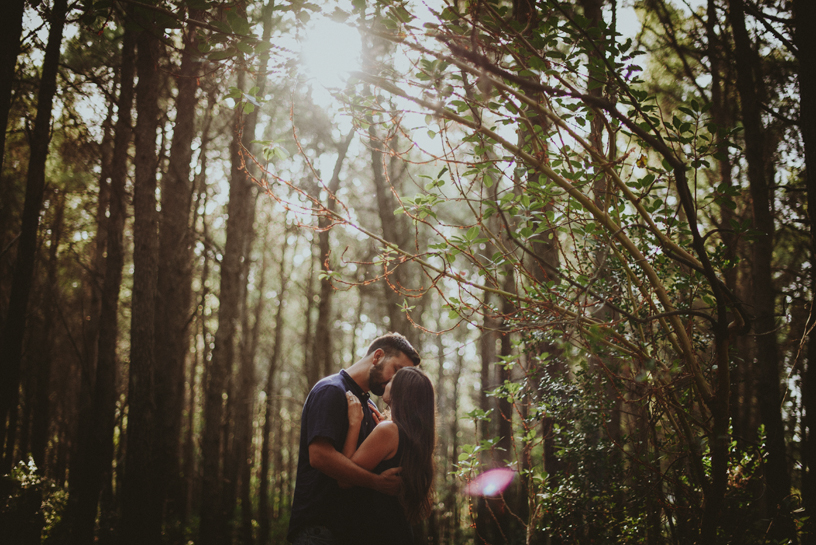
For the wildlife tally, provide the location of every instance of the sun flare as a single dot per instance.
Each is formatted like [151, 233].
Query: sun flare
[331, 50]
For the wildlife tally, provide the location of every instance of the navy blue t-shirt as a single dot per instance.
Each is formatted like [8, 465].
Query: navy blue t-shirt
[317, 499]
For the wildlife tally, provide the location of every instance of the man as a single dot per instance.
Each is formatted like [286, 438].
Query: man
[318, 504]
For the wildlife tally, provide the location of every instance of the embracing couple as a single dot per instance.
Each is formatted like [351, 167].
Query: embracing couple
[363, 479]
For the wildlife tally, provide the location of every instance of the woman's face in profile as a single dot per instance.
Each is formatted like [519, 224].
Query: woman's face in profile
[386, 397]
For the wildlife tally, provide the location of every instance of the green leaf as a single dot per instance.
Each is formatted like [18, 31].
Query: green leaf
[449, 14]
[237, 23]
[245, 47]
[222, 54]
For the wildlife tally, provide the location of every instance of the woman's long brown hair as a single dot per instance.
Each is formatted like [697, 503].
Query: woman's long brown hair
[413, 409]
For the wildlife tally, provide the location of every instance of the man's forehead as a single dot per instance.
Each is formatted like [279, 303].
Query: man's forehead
[401, 360]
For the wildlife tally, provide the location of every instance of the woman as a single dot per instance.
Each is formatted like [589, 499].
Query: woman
[406, 441]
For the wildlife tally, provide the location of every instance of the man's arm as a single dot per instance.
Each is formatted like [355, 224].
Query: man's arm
[324, 458]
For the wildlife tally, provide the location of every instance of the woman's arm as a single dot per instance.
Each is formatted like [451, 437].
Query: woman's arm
[325, 458]
[381, 445]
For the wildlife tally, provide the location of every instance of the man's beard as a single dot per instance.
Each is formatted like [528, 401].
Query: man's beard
[375, 379]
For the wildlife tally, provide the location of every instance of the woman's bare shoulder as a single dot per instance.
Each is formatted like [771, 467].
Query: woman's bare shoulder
[387, 426]
[387, 430]
[387, 434]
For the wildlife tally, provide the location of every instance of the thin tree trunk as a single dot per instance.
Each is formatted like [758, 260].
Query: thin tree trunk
[245, 411]
[214, 521]
[11, 29]
[323, 350]
[188, 451]
[804, 12]
[453, 502]
[141, 513]
[41, 420]
[193, 472]
[269, 414]
[239, 402]
[485, 523]
[309, 362]
[175, 281]
[96, 276]
[504, 415]
[214, 525]
[777, 478]
[11, 337]
[95, 449]
[281, 441]
[393, 231]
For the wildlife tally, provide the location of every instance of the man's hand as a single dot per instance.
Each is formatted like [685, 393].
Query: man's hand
[389, 481]
[375, 413]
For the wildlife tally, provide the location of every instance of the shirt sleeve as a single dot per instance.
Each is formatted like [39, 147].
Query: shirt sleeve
[327, 416]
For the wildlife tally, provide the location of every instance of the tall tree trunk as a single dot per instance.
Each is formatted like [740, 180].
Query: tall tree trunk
[269, 413]
[41, 420]
[175, 280]
[721, 114]
[309, 363]
[804, 14]
[96, 276]
[452, 502]
[11, 337]
[11, 29]
[214, 522]
[141, 508]
[323, 350]
[281, 441]
[245, 410]
[393, 231]
[775, 467]
[192, 472]
[95, 449]
[241, 212]
[189, 456]
[485, 521]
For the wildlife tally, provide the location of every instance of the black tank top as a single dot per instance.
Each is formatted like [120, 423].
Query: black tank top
[379, 519]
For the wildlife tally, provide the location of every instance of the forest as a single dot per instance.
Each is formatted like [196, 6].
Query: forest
[590, 217]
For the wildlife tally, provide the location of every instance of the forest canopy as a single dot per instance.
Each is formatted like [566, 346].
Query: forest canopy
[590, 217]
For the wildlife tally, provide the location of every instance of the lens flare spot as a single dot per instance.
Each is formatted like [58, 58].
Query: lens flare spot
[491, 483]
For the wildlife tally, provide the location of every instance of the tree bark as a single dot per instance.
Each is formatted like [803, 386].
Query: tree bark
[95, 277]
[175, 278]
[41, 420]
[804, 12]
[141, 513]
[245, 411]
[188, 450]
[323, 350]
[393, 231]
[213, 520]
[777, 478]
[11, 337]
[269, 413]
[95, 449]
[11, 29]
[309, 362]
[488, 428]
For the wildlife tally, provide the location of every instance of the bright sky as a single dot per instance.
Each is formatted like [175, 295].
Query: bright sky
[330, 51]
